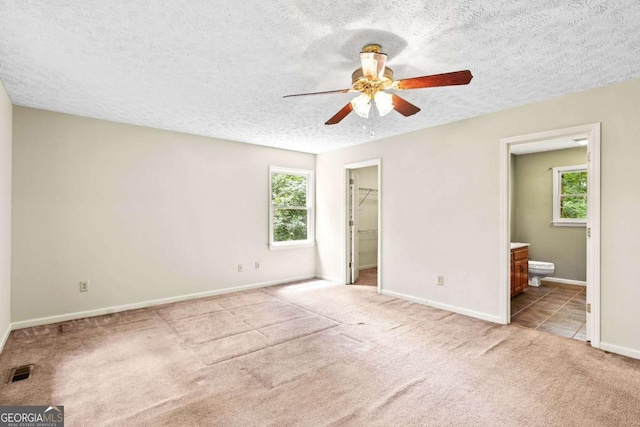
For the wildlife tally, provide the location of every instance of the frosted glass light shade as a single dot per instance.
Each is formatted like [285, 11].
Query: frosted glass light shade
[384, 103]
[361, 105]
[373, 64]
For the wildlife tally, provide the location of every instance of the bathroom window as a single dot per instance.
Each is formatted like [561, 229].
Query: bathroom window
[570, 195]
[291, 216]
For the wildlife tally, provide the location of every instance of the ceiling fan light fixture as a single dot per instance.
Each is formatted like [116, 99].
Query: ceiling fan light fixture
[373, 77]
[373, 65]
[384, 103]
[373, 61]
[361, 105]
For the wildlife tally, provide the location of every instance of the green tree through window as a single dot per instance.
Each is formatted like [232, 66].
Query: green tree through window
[291, 207]
[573, 195]
[570, 195]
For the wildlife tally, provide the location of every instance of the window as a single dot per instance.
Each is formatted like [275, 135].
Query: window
[291, 209]
[570, 195]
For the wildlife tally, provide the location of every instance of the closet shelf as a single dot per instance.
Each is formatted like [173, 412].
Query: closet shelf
[367, 231]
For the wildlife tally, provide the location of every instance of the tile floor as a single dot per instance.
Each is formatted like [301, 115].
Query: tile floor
[553, 307]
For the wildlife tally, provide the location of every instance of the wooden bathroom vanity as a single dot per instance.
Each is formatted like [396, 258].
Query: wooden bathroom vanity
[519, 269]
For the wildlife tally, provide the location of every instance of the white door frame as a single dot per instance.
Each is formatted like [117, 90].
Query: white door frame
[593, 220]
[359, 165]
[354, 237]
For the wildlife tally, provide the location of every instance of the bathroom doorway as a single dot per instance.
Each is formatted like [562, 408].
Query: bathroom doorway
[363, 224]
[551, 197]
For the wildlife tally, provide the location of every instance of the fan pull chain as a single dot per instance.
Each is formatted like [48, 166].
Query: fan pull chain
[364, 128]
[372, 134]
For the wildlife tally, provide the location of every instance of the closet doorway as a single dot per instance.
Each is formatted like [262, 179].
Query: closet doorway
[363, 224]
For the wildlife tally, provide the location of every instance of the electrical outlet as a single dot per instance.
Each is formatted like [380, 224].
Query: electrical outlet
[239, 268]
[440, 280]
[84, 286]
[257, 265]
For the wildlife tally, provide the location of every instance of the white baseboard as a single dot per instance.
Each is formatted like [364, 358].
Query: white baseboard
[364, 267]
[5, 337]
[629, 352]
[108, 310]
[447, 307]
[565, 281]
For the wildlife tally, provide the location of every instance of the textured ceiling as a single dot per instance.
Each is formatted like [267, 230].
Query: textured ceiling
[220, 68]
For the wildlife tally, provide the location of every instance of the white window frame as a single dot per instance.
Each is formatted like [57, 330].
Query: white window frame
[557, 188]
[310, 241]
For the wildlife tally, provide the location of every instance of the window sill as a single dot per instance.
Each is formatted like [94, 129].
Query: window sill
[285, 246]
[568, 224]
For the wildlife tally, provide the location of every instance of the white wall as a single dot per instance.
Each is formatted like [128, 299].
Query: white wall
[5, 213]
[454, 228]
[140, 213]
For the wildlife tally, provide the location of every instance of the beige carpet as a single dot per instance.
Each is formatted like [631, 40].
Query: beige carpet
[314, 353]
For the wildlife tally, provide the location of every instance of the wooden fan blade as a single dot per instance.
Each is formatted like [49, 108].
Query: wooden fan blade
[320, 93]
[403, 106]
[435, 80]
[340, 115]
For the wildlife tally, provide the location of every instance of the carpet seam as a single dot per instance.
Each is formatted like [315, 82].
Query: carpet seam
[272, 345]
[306, 309]
[177, 335]
[194, 315]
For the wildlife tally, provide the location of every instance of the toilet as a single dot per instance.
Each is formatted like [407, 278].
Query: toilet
[539, 270]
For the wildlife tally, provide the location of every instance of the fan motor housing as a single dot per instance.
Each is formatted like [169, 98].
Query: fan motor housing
[358, 74]
[363, 84]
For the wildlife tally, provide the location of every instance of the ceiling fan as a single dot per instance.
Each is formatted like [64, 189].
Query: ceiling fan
[373, 78]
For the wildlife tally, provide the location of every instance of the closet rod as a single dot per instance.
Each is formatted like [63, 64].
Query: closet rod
[369, 191]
